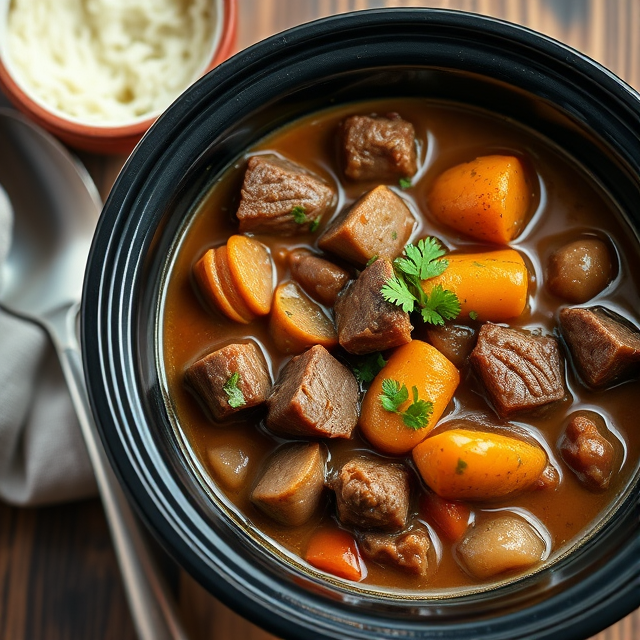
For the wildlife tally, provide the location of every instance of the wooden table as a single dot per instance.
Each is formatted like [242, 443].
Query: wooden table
[58, 576]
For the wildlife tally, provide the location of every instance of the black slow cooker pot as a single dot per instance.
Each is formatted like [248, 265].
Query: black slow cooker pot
[465, 58]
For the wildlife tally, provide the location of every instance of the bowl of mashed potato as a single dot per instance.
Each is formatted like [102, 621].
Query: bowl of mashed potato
[97, 73]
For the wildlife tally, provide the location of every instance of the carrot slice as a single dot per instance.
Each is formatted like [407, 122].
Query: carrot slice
[414, 364]
[297, 322]
[491, 285]
[229, 287]
[487, 198]
[208, 279]
[477, 465]
[449, 516]
[252, 272]
[335, 551]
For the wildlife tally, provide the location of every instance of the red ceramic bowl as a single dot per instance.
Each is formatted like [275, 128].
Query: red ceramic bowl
[108, 139]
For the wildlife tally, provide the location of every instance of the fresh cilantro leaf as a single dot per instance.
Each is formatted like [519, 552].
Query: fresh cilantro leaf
[368, 368]
[313, 227]
[473, 315]
[405, 183]
[461, 466]
[234, 394]
[416, 415]
[394, 235]
[396, 291]
[371, 260]
[440, 305]
[393, 395]
[422, 260]
[299, 214]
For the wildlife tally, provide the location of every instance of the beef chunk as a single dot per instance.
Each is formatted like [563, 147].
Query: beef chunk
[379, 224]
[378, 148]
[366, 321]
[407, 551]
[281, 197]
[290, 487]
[520, 371]
[604, 347]
[315, 396]
[454, 341]
[585, 448]
[320, 278]
[372, 494]
[211, 375]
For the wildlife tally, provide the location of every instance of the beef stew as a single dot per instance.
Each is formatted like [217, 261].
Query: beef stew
[550, 508]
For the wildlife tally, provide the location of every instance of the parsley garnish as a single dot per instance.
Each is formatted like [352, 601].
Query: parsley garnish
[368, 368]
[234, 394]
[313, 227]
[416, 415]
[462, 465]
[299, 214]
[473, 315]
[405, 183]
[371, 260]
[421, 262]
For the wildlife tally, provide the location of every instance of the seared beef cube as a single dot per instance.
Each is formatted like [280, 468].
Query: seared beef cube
[407, 551]
[378, 148]
[281, 197]
[372, 494]
[321, 279]
[604, 347]
[520, 371]
[315, 396]
[586, 449]
[290, 487]
[454, 341]
[230, 379]
[379, 224]
[366, 322]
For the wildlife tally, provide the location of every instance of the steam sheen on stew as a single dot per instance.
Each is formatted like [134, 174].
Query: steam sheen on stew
[401, 339]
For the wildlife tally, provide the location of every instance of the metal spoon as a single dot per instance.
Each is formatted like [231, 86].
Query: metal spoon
[41, 281]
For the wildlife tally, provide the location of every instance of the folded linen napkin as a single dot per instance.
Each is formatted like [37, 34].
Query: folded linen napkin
[43, 458]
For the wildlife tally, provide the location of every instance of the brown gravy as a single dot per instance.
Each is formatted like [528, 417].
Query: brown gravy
[567, 204]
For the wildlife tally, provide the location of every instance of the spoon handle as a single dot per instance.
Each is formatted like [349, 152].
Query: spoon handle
[152, 607]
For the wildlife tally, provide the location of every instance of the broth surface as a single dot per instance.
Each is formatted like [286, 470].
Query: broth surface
[567, 204]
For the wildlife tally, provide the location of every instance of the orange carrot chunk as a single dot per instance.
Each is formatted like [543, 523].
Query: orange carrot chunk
[252, 272]
[208, 279]
[487, 198]
[297, 322]
[335, 551]
[228, 285]
[491, 285]
[414, 364]
[461, 464]
[450, 517]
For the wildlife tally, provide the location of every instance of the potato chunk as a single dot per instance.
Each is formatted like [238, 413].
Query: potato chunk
[506, 543]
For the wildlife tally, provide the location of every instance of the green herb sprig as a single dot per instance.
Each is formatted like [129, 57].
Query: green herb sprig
[421, 262]
[235, 397]
[369, 367]
[416, 415]
[300, 217]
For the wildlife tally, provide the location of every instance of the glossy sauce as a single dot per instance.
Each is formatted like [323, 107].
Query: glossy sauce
[566, 204]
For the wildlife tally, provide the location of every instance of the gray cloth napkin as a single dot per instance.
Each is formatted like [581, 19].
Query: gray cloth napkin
[43, 458]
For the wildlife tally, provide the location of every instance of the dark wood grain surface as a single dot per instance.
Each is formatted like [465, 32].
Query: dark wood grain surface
[58, 576]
